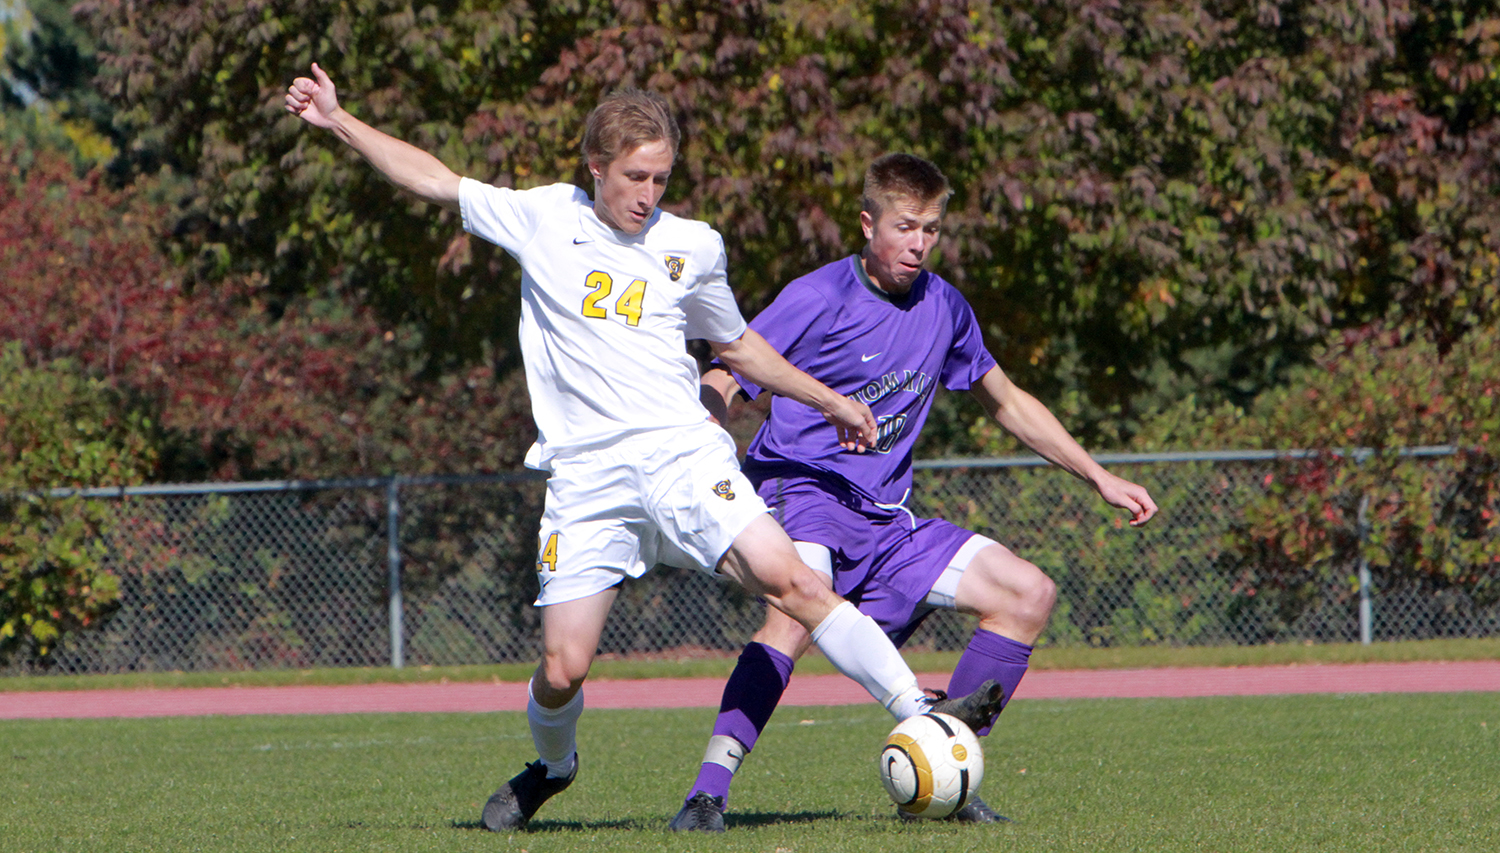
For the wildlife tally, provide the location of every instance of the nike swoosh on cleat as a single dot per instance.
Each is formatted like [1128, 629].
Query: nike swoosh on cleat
[868, 357]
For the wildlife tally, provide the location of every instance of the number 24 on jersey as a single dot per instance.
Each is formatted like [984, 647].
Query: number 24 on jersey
[628, 305]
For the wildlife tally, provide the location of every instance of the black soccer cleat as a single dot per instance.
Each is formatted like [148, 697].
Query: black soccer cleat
[977, 710]
[517, 800]
[701, 813]
[974, 811]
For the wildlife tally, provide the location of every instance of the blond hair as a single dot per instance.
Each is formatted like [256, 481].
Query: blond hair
[897, 176]
[624, 121]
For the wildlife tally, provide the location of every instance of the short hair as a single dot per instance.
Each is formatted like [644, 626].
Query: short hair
[625, 120]
[896, 176]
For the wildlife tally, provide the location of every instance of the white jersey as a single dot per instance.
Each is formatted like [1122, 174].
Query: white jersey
[605, 316]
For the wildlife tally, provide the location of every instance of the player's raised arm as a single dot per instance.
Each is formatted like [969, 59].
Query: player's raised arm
[315, 101]
[763, 365]
[1027, 419]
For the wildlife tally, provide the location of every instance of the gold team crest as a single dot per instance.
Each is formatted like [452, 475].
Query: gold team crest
[675, 264]
[723, 490]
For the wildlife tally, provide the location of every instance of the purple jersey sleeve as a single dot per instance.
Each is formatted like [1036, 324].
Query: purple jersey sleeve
[795, 325]
[968, 359]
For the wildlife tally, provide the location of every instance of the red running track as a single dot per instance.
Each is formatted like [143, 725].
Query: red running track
[466, 697]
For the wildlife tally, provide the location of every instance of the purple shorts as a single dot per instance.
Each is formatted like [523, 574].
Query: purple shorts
[884, 560]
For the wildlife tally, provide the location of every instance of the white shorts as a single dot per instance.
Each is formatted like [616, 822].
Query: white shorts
[673, 496]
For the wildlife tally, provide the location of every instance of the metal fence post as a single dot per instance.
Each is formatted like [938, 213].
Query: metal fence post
[1366, 610]
[393, 564]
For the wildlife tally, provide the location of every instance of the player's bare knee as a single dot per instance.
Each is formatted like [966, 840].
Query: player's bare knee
[803, 598]
[805, 588]
[560, 676]
[1035, 599]
[1044, 591]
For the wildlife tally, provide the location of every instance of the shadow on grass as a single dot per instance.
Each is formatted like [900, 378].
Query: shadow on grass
[731, 821]
[570, 825]
[749, 819]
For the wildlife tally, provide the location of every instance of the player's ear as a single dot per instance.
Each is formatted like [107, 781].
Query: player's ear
[867, 224]
[596, 170]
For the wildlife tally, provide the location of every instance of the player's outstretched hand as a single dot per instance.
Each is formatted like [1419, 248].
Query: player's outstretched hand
[855, 423]
[313, 100]
[1118, 491]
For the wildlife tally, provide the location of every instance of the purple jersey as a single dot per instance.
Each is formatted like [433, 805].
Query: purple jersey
[889, 353]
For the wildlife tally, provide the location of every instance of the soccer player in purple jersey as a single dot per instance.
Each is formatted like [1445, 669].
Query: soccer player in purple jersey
[883, 330]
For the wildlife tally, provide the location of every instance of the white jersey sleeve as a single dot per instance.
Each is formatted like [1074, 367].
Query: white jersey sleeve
[712, 313]
[508, 218]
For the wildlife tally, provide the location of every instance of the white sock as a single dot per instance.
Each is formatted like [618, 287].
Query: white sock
[908, 704]
[859, 649]
[555, 733]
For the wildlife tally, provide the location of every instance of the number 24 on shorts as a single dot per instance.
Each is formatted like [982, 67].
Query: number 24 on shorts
[546, 560]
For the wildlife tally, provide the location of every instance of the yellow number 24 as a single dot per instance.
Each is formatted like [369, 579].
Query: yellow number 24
[628, 305]
[546, 559]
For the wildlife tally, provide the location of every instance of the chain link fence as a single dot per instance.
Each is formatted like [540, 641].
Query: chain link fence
[297, 575]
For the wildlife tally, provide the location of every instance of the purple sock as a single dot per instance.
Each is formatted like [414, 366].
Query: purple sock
[750, 696]
[990, 655]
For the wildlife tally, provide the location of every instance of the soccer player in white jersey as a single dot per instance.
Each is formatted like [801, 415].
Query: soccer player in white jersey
[611, 289]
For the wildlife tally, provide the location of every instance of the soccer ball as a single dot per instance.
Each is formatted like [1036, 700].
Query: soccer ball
[931, 765]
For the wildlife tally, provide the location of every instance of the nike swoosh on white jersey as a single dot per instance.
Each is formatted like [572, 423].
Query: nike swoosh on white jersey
[868, 357]
[578, 240]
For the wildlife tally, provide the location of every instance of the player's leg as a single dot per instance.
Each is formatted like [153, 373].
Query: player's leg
[1013, 600]
[922, 569]
[588, 543]
[707, 509]
[764, 561]
[750, 696]
[570, 637]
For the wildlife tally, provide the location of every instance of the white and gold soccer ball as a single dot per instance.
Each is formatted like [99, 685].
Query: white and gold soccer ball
[931, 765]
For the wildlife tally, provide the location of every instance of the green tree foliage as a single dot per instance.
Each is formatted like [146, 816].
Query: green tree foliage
[47, 97]
[200, 86]
[1411, 520]
[57, 428]
[321, 390]
[116, 373]
[47, 51]
[1248, 552]
[1153, 198]
[1419, 186]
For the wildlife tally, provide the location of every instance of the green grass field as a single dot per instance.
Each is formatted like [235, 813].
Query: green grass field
[1377, 773]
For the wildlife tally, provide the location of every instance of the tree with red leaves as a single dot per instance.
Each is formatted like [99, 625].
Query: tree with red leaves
[236, 391]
